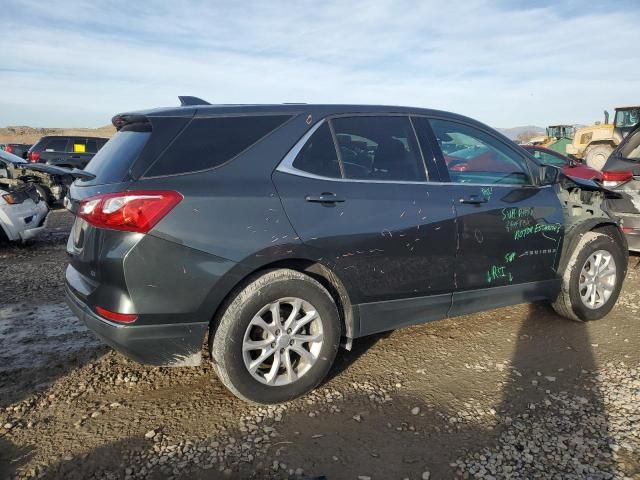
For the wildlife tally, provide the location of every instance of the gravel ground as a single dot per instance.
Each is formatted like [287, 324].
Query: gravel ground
[512, 393]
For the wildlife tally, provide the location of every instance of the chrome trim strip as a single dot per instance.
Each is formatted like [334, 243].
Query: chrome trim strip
[286, 166]
[417, 140]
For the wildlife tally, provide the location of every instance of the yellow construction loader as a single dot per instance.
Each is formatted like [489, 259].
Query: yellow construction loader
[595, 143]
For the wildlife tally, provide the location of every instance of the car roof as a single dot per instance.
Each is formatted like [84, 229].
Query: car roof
[317, 111]
[73, 136]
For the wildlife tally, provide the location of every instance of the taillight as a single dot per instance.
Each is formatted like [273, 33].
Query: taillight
[135, 211]
[117, 317]
[8, 148]
[616, 177]
[34, 157]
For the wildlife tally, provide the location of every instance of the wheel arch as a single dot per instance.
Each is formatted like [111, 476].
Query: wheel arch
[573, 236]
[323, 274]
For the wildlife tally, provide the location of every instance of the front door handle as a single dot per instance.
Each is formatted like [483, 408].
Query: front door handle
[326, 197]
[474, 200]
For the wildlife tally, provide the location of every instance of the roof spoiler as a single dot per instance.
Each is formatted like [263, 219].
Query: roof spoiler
[187, 101]
[123, 119]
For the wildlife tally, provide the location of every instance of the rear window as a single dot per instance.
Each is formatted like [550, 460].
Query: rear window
[209, 142]
[56, 145]
[113, 161]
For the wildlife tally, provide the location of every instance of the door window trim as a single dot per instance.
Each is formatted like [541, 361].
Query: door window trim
[443, 166]
[286, 164]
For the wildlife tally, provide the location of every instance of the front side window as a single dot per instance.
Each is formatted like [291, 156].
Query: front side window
[318, 156]
[473, 156]
[378, 148]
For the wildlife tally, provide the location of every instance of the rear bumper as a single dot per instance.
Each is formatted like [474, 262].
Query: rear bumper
[170, 345]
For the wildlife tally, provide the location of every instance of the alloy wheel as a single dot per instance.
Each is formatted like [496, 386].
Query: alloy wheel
[283, 341]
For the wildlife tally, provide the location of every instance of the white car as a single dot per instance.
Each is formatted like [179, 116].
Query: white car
[22, 213]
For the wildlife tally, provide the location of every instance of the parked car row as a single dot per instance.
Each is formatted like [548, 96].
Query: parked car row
[18, 149]
[65, 151]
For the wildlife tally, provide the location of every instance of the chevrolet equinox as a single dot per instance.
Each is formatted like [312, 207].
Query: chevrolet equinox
[281, 232]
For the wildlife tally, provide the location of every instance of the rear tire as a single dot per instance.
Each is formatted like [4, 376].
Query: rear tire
[277, 338]
[597, 155]
[592, 280]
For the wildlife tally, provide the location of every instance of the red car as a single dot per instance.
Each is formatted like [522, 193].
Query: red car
[570, 167]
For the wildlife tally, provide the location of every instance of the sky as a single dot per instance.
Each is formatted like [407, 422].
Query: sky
[507, 63]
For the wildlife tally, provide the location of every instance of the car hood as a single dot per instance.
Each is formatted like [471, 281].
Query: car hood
[10, 158]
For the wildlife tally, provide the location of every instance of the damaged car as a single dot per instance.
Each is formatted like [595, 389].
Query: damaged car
[281, 232]
[621, 173]
[22, 212]
[50, 182]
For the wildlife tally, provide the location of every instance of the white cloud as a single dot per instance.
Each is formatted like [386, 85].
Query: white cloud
[78, 63]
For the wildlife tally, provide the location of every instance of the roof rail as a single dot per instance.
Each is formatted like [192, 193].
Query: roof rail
[186, 100]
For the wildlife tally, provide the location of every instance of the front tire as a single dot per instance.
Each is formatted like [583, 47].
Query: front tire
[592, 280]
[277, 338]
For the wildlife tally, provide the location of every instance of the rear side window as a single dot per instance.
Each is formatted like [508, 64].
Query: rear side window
[92, 146]
[209, 142]
[56, 145]
[113, 161]
[318, 156]
[379, 148]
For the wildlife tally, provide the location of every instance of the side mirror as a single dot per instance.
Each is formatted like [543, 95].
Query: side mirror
[549, 174]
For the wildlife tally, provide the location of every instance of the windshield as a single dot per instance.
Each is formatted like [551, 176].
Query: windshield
[627, 118]
[11, 158]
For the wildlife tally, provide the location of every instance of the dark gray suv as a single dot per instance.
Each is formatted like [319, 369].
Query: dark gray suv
[283, 231]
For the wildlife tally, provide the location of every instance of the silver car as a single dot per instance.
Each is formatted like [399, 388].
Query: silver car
[22, 212]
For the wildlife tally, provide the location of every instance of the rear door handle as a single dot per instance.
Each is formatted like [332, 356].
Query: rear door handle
[326, 197]
[474, 200]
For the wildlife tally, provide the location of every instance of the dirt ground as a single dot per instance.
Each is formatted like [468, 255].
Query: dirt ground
[511, 393]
